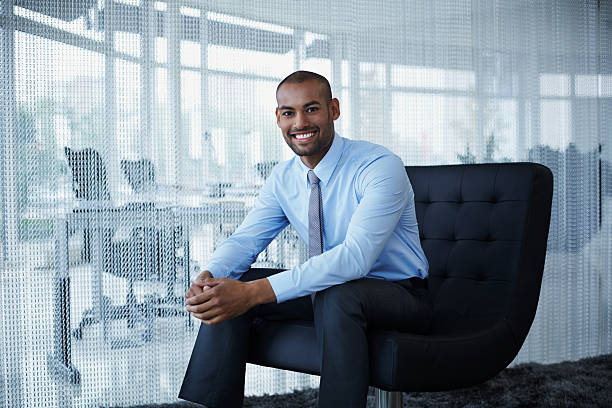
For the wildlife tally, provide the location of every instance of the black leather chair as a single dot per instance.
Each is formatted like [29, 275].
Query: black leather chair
[484, 230]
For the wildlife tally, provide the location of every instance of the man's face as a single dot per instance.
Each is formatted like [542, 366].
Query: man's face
[306, 119]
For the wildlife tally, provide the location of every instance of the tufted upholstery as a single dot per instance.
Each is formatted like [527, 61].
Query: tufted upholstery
[484, 230]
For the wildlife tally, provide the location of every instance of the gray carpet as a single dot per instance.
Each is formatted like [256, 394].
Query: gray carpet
[583, 383]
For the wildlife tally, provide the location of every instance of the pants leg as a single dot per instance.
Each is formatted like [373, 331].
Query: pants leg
[215, 374]
[343, 313]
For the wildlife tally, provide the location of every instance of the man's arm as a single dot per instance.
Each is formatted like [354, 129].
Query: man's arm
[264, 222]
[216, 299]
[385, 191]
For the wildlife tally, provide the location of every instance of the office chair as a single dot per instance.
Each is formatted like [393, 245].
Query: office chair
[140, 174]
[148, 253]
[484, 229]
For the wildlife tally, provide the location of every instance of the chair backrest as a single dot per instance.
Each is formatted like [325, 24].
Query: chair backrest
[89, 180]
[140, 174]
[483, 228]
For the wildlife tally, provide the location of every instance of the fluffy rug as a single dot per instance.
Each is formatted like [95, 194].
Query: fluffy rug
[583, 383]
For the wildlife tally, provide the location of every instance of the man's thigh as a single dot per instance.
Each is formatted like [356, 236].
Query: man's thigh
[397, 305]
[294, 309]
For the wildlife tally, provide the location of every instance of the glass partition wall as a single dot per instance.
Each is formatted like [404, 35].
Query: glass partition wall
[136, 134]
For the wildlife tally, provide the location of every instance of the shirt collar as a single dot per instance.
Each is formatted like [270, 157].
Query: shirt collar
[327, 165]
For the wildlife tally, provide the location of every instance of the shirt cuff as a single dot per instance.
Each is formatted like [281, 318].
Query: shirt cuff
[282, 286]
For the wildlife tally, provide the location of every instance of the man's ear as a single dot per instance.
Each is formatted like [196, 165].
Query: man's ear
[334, 108]
[277, 113]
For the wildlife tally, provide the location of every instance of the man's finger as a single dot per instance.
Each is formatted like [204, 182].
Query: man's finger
[213, 281]
[194, 290]
[213, 321]
[209, 314]
[200, 299]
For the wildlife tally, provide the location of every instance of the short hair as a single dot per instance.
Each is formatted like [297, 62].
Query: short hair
[302, 76]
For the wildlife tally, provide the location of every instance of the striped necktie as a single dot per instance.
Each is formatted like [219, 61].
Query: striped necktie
[315, 217]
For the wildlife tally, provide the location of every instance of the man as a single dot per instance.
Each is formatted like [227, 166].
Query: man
[352, 202]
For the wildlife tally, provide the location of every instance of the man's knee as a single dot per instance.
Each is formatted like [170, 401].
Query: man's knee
[342, 299]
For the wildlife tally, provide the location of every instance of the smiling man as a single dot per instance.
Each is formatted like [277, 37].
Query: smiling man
[353, 205]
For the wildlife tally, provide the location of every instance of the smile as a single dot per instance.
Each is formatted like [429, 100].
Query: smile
[303, 137]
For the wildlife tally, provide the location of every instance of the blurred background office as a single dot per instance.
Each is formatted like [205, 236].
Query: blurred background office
[135, 135]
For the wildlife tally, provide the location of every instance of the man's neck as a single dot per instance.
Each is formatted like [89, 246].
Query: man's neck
[312, 161]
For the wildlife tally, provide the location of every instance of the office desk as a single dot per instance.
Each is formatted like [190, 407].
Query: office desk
[100, 217]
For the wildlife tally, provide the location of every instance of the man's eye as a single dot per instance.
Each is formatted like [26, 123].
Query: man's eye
[310, 110]
[287, 113]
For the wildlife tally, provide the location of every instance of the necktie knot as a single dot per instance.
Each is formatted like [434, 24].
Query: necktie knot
[312, 177]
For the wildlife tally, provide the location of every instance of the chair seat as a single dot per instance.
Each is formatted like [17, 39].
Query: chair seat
[402, 362]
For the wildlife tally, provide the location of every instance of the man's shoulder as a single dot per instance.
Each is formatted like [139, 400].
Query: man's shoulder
[282, 169]
[361, 152]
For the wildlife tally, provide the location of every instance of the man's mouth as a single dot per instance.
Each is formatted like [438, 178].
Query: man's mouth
[304, 136]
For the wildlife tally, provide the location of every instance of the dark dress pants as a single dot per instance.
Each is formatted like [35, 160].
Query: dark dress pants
[341, 313]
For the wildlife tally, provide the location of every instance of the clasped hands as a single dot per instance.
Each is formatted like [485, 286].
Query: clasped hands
[213, 300]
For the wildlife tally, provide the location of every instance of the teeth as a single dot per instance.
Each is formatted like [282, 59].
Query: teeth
[304, 135]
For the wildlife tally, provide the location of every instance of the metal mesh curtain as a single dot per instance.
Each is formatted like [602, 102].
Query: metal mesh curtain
[135, 135]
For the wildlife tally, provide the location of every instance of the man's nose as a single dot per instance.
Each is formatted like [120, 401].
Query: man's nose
[301, 121]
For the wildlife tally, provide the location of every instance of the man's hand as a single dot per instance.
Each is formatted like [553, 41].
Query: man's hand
[199, 285]
[217, 299]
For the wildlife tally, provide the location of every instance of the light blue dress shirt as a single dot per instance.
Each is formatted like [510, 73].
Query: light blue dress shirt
[369, 221]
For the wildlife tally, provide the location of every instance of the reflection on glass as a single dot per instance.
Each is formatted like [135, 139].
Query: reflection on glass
[127, 96]
[321, 66]
[190, 54]
[160, 5]
[554, 85]
[372, 75]
[225, 18]
[249, 62]
[192, 111]
[587, 85]
[346, 73]
[430, 128]
[59, 91]
[371, 119]
[127, 43]
[161, 140]
[244, 110]
[555, 123]
[500, 133]
[218, 142]
[190, 11]
[317, 56]
[78, 26]
[161, 50]
[605, 85]
[432, 78]
[345, 114]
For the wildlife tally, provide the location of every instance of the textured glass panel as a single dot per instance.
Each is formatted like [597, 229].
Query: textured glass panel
[433, 128]
[317, 55]
[587, 85]
[127, 43]
[192, 112]
[161, 49]
[372, 75]
[555, 120]
[190, 54]
[127, 92]
[554, 85]
[77, 20]
[180, 148]
[433, 78]
[250, 61]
